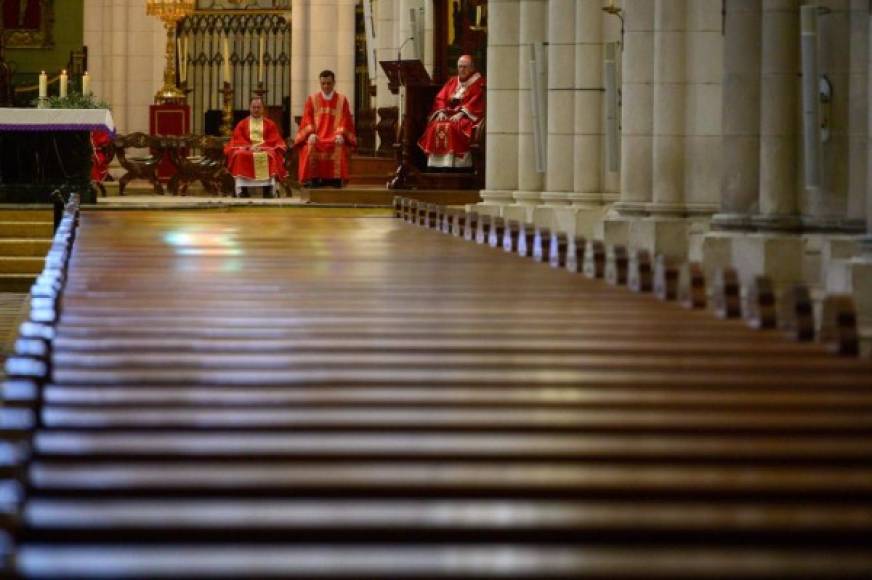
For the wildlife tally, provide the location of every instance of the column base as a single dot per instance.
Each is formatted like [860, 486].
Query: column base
[778, 256]
[732, 222]
[666, 210]
[520, 213]
[777, 223]
[661, 236]
[831, 224]
[530, 198]
[496, 197]
[555, 198]
[631, 208]
[615, 231]
[585, 200]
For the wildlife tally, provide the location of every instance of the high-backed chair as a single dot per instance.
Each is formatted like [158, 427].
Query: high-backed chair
[139, 165]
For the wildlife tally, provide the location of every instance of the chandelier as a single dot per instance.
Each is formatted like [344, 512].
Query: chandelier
[170, 12]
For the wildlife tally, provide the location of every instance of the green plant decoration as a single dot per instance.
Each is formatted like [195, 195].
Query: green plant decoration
[74, 101]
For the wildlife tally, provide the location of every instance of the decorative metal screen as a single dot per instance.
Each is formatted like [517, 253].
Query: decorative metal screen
[200, 41]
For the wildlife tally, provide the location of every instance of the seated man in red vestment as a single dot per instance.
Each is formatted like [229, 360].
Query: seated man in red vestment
[326, 136]
[457, 109]
[256, 151]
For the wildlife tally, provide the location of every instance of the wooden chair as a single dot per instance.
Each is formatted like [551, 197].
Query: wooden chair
[139, 165]
[199, 158]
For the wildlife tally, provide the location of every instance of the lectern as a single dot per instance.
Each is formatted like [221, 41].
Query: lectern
[417, 99]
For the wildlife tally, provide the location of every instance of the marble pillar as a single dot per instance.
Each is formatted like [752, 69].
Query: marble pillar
[533, 29]
[386, 50]
[779, 121]
[502, 139]
[637, 108]
[126, 58]
[703, 78]
[824, 207]
[740, 169]
[322, 37]
[561, 102]
[587, 170]
[858, 116]
[669, 108]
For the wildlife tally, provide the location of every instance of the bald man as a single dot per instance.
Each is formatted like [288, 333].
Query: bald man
[457, 109]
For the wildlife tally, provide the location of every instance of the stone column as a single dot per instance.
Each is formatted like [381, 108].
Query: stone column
[501, 174]
[636, 110]
[858, 115]
[588, 142]
[669, 107]
[127, 58]
[703, 152]
[561, 102]
[300, 71]
[533, 29]
[322, 37]
[824, 207]
[740, 169]
[387, 50]
[779, 119]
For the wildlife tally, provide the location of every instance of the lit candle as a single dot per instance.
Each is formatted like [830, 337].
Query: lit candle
[179, 55]
[226, 53]
[260, 59]
[86, 84]
[63, 84]
[184, 63]
[43, 85]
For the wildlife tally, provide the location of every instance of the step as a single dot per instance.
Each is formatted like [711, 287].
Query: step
[16, 282]
[21, 265]
[26, 229]
[33, 247]
[18, 213]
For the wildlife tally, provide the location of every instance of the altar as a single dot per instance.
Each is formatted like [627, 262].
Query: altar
[42, 150]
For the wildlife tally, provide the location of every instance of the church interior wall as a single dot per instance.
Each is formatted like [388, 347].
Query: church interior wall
[67, 34]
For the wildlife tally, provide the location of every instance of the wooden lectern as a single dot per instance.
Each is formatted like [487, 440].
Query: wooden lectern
[416, 104]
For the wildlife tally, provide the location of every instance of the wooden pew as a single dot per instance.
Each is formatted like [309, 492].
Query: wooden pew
[397, 404]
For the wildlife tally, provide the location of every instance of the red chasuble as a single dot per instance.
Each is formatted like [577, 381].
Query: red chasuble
[268, 162]
[447, 142]
[325, 119]
[100, 161]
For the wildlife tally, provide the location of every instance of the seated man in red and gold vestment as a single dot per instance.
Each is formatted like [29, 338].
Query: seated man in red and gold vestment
[326, 136]
[256, 151]
[457, 109]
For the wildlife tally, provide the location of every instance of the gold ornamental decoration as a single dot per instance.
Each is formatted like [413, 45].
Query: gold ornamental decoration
[170, 12]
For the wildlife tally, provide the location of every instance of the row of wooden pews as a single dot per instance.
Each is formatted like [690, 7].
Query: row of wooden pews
[660, 275]
[219, 395]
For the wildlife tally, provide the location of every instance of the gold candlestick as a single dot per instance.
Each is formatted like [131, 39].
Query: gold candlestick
[170, 12]
[260, 91]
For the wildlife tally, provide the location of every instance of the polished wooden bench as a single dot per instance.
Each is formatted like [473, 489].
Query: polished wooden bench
[252, 396]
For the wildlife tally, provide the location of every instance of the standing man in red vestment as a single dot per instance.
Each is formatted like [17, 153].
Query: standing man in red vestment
[457, 109]
[256, 151]
[326, 136]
